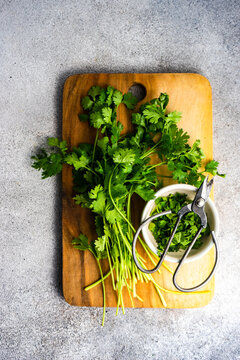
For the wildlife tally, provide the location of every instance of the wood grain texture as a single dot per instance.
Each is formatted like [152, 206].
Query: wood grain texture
[190, 94]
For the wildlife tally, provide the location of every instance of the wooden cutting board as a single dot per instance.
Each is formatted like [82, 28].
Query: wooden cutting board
[190, 94]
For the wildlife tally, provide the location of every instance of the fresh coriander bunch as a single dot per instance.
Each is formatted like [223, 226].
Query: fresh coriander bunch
[109, 172]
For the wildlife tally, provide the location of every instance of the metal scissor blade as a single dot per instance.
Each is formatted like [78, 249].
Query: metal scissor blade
[209, 187]
[204, 190]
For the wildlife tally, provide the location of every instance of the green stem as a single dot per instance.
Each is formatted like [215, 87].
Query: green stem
[155, 165]
[133, 280]
[122, 278]
[89, 287]
[130, 295]
[149, 182]
[104, 292]
[123, 237]
[160, 295]
[151, 150]
[118, 302]
[119, 246]
[139, 181]
[109, 258]
[86, 167]
[122, 303]
[95, 144]
[129, 223]
[111, 267]
[114, 204]
[147, 250]
[129, 205]
[138, 297]
[150, 277]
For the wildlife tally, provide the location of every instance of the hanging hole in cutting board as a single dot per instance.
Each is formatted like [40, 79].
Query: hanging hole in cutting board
[138, 90]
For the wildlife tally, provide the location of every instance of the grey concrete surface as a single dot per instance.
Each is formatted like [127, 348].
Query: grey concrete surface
[41, 43]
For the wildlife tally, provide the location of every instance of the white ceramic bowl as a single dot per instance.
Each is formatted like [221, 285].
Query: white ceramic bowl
[212, 216]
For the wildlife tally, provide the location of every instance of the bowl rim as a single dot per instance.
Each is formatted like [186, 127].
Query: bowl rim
[174, 188]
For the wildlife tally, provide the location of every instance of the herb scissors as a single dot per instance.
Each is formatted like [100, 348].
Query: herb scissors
[197, 207]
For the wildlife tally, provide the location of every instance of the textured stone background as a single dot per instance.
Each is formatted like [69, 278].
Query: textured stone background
[41, 43]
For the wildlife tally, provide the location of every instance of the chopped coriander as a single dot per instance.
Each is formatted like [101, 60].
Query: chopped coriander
[163, 226]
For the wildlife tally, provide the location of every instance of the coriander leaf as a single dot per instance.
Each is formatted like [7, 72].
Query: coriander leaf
[137, 139]
[94, 192]
[99, 225]
[117, 97]
[211, 167]
[89, 176]
[163, 101]
[94, 91]
[115, 252]
[99, 168]
[82, 200]
[100, 243]
[62, 145]
[103, 143]
[122, 156]
[102, 96]
[153, 114]
[77, 162]
[138, 119]
[107, 231]
[84, 149]
[53, 141]
[113, 216]
[80, 183]
[171, 119]
[195, 154]
[116, 131]
[107, 113]
[179, 175]
[192, 178]
[97, 106]
[174, 116]
[127, 168]
[129, 100]
[96, 119]
[110, 90]
[50, 165]
[81, 242]
[171, 165]
[145, 193]
[95, 250]
[98, 205]
[87, 103]
[178, 139]
[119, 190]
[120, 178]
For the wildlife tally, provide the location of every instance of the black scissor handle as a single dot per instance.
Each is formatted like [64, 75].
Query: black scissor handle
[147, 271]
[148, 220]
[184, 258]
